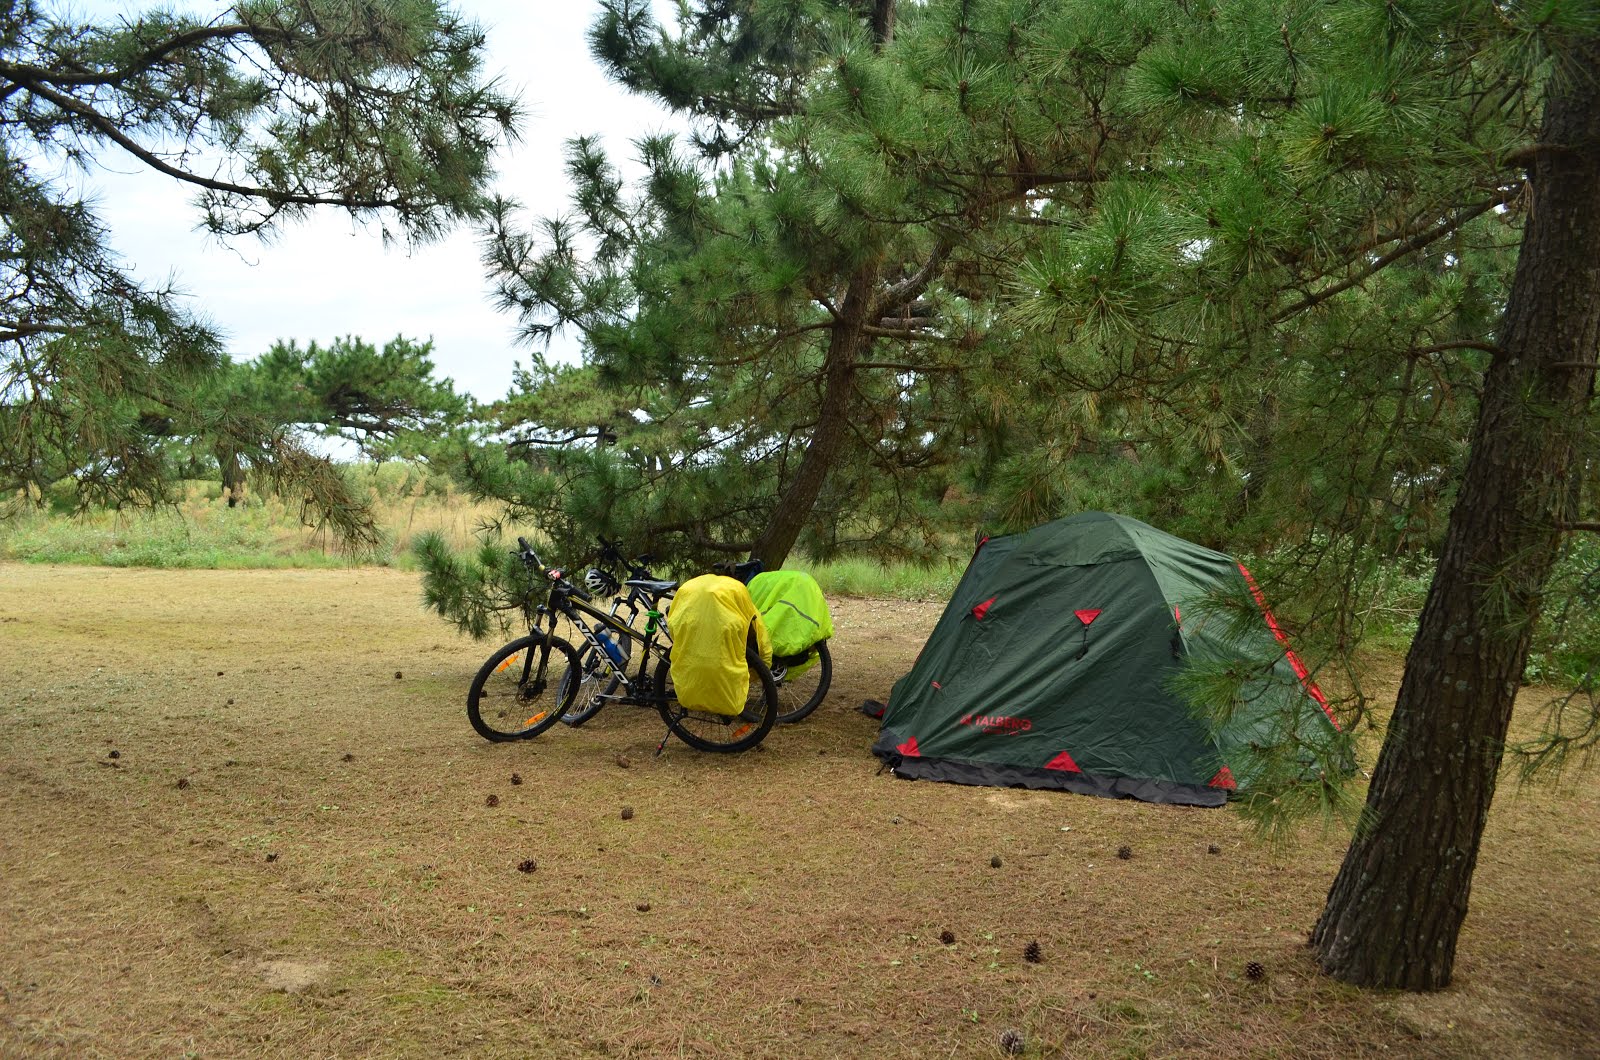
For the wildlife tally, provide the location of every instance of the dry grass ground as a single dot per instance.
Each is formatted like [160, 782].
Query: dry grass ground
[244, 815]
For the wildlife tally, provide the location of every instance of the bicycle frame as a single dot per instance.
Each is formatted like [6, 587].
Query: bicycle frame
[573, 610]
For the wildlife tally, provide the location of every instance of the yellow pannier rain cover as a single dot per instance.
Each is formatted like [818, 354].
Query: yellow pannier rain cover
[711, 618]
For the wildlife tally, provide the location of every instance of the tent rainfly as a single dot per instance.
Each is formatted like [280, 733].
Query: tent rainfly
[1053, 666]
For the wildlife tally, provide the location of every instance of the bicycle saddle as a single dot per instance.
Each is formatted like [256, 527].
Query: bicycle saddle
[654, 588]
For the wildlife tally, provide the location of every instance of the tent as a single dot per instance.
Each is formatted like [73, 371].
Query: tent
[1053, 667]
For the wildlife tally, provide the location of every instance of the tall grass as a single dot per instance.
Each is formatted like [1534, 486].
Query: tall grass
[200, 531]
[868, 577]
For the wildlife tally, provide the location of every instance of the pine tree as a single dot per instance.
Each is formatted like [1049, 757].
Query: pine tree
[384, 403]
[1331, 179]
[275, 108]
[811, 326]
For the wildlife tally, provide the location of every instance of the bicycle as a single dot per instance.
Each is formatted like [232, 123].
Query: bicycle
[513, 698]
[591, 669]
[801, 687]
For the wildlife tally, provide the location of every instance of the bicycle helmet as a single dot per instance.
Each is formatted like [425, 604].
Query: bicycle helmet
[600, 582]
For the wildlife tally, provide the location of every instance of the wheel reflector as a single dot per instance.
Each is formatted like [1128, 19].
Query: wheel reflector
[508, 661]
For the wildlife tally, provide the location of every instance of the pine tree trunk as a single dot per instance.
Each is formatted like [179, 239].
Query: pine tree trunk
[232, 476]
[799, 497]
[1396, 907]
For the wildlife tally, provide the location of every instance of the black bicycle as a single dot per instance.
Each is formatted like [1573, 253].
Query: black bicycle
[802, 680]
[595, 679]
[520, 692]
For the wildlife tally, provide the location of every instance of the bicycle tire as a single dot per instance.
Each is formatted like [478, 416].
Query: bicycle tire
[591, 671]
[720, 733]
[504, 705]
[797, 698]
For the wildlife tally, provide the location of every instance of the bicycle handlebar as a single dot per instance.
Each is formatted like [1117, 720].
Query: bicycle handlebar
[612, 553]
[526, 552]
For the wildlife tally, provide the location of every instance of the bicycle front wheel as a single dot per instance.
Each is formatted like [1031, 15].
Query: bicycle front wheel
[802, 689]
[722, 733]
[518, 693]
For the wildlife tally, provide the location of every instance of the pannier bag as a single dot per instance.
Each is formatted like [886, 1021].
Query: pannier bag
[712, 620]
[796, 614]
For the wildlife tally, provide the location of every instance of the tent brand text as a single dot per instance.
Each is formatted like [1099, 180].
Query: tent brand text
[996, 722]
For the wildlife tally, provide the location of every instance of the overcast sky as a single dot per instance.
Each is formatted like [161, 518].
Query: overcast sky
[324, 278]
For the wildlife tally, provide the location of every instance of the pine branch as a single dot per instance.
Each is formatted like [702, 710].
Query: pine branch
[28, 76]
[914, 285]
[900, 366]
[1463, 344]
[110, 130]
[1409, 246]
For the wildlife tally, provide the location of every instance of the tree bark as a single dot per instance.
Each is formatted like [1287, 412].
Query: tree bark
[846, 342]
[232, 476]
[1396, 907]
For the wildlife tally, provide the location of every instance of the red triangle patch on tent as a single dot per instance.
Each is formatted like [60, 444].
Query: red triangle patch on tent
[1223, 779]
[909, 748]
[983, 609]
[1087, 617]
[1063, 761]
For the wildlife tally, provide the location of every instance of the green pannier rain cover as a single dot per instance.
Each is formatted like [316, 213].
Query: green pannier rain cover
[795, 613]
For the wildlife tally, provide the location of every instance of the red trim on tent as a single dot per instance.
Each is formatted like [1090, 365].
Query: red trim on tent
[1087, 617]
[1063, 761]
[1223, 779]
[983, 609]
[909, 748]
[1300, 670]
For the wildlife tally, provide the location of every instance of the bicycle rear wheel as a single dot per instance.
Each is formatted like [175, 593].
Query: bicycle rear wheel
[594, 678]
[721, 733]
[801, 693]
[515, 695]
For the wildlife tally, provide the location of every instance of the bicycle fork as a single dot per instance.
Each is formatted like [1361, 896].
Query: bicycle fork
[532, 683]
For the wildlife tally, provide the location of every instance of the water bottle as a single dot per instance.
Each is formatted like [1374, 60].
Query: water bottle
[611, 648]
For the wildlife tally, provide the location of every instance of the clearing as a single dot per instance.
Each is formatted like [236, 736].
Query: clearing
[244, 815]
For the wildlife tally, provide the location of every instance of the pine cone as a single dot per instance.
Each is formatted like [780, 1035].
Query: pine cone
[492, 800]
[1012, 1043]
[516, 778]
[1255, 971]
[1031, 952]
[1125, 852]
[947, 937]
[527, 865]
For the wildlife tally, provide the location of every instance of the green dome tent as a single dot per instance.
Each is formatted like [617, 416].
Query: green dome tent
[1052, 668]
